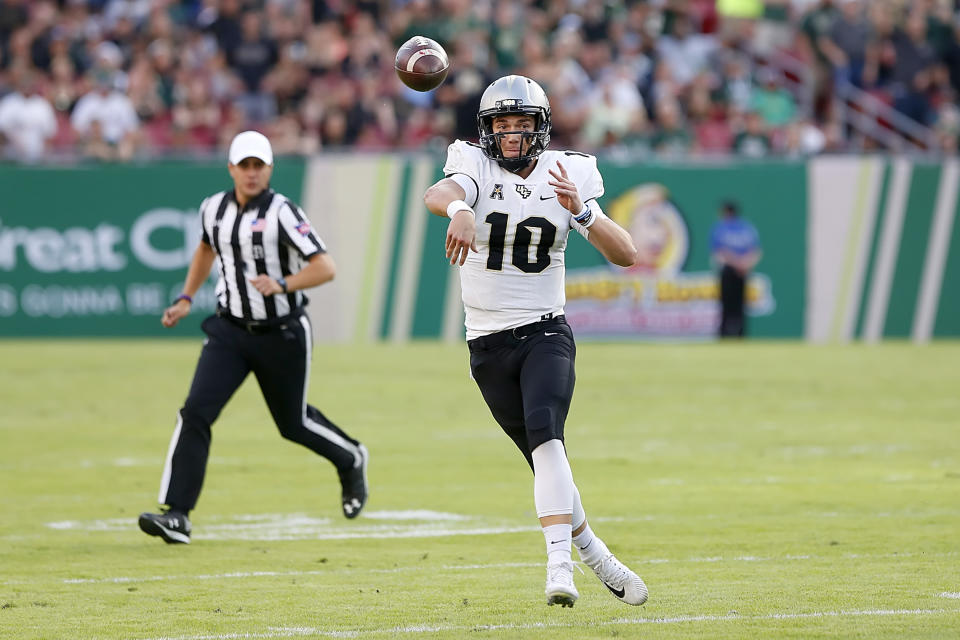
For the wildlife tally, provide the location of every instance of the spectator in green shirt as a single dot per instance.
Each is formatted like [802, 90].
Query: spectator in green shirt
[774, 103]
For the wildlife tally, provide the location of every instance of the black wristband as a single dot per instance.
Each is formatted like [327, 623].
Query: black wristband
[283, 284]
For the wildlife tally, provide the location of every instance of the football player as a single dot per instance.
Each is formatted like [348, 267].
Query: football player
[511, 204]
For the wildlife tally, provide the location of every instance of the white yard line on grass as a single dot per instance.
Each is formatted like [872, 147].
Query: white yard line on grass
[276, 534]
[257, 574]
[376, 524]
[416, 514]
[474, 567]
[420, 523]
[304, 632]
[216, 576]
[950, 594]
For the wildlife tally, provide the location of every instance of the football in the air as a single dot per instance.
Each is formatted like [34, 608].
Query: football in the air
[421, 63]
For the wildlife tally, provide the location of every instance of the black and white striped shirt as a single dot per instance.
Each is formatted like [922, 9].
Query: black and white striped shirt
[271, 235]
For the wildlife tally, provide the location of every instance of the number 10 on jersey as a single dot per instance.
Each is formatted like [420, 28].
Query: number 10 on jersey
[523, 237]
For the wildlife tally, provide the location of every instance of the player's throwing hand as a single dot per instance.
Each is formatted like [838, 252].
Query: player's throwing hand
[461, 237]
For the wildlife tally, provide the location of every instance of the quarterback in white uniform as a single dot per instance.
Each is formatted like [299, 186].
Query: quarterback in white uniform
[511, 205]
[507, 290]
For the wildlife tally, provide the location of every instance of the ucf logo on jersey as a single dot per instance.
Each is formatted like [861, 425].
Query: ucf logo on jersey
[523, 191]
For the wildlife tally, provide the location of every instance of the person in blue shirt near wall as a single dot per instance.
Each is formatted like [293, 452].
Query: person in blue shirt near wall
[735, 249]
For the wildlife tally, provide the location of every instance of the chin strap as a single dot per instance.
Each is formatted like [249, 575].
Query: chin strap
[513, 166]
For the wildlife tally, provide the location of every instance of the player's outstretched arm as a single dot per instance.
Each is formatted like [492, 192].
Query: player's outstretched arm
[198, 272]
[445, 199]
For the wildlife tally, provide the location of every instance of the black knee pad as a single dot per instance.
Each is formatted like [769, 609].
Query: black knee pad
[543, 425]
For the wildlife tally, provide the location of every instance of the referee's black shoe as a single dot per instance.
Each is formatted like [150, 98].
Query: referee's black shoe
[354, 484]
[172, 526]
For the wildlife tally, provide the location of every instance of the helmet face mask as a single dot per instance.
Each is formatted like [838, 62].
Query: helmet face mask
[514, 95]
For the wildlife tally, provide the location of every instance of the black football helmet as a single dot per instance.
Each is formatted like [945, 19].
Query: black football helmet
[512, 95]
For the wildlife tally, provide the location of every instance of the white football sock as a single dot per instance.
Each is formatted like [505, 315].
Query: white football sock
[557, 537]
[589, 546]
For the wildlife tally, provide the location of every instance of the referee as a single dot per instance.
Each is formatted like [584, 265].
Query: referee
[268, 253]
[735, 248]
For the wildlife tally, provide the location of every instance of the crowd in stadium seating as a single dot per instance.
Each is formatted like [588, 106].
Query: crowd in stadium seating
[120, 79]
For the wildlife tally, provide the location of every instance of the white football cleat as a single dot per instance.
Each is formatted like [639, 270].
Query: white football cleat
[623, 583]
[560, 589]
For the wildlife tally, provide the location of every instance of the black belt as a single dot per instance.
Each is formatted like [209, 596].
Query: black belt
[517, 333]
[257, 327]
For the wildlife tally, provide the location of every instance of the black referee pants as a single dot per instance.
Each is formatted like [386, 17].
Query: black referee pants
[526, 376]
[733, 319]
[280, 359]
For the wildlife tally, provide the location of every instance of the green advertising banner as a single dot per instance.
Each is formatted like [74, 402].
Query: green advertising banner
[673, 292]
[101, 250]
[853, 248]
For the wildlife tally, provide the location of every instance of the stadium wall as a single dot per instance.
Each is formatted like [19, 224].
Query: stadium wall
[884, 258]
[854, 248]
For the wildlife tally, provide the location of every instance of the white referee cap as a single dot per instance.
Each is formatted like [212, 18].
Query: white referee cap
[250, 144]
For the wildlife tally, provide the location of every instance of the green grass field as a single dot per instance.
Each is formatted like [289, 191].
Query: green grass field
[763, 490]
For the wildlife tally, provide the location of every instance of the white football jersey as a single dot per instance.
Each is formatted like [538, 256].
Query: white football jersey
[518, 274]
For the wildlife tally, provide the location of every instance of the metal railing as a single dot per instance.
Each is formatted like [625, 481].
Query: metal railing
[860, 112]
[873, 118]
